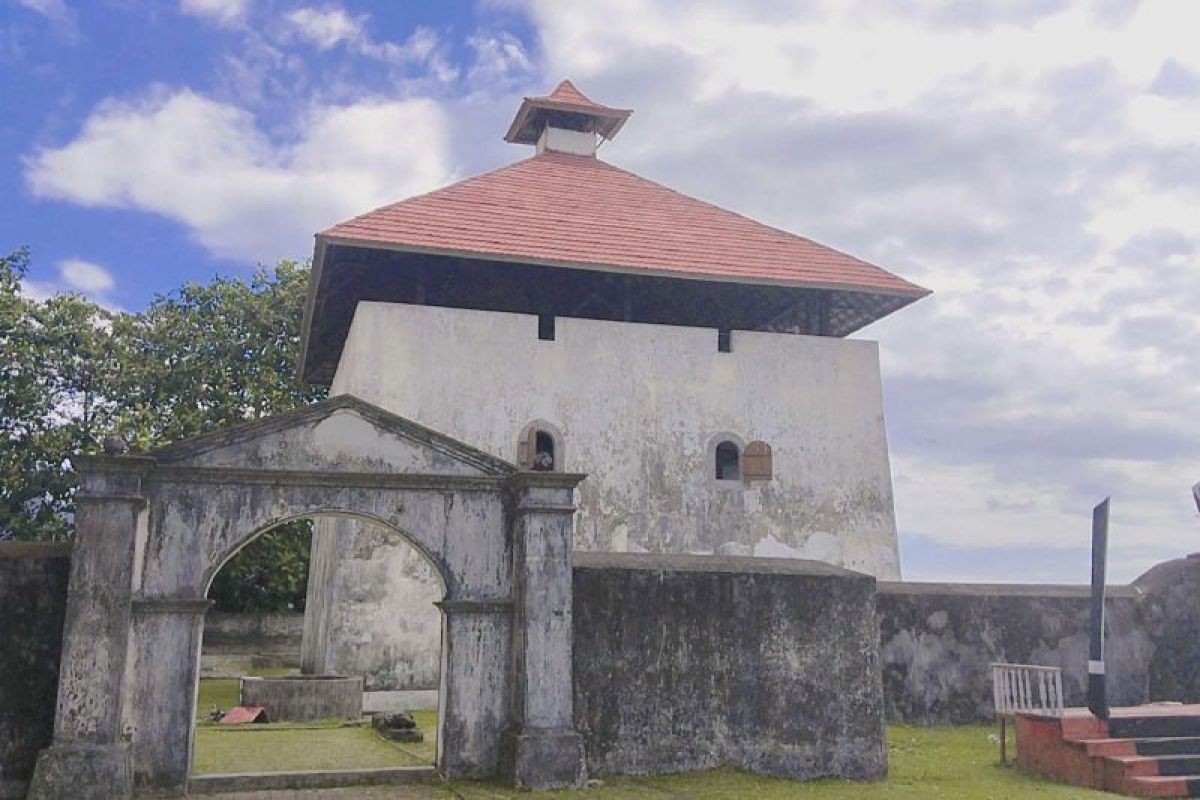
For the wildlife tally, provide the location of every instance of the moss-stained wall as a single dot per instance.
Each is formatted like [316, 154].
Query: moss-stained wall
[1172, 592]
[33, 600]
[691, 662]
[938, 641]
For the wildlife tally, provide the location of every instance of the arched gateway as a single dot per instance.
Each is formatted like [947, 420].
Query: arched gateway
[152, 530]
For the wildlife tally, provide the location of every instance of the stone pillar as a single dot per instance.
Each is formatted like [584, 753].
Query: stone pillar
[89, 757]
[473, 701]
[165, 671]
[541, 749]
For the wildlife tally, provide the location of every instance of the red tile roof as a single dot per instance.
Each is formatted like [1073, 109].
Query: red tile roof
[567, 92]
[579, 211]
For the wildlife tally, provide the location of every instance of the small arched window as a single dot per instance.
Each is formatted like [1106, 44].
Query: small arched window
[540, 448]
[756, 462]
[728, 462]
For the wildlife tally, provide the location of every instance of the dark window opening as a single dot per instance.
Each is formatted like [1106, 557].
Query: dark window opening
[724, 341]
[543, 458]
[546, 328]
[728, 466]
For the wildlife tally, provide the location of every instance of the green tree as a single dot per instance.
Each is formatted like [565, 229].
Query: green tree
[58, 358]
[212, 355]
[203, 357]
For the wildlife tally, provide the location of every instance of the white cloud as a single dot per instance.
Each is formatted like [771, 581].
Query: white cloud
[51, 9]
[221, 12]
[331, 27]
[500, 59]
[58, 13]
[326, 27]
[85, 276]
[1028, 161]
[240, 192]
[75, 275]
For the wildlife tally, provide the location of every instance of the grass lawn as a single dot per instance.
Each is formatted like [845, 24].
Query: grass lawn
[944, 762]
[288, 746]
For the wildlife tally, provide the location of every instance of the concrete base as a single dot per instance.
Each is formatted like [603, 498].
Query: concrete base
[543, 759]
[301, 698]
[313, 779]
[408, 700]
[82, 772]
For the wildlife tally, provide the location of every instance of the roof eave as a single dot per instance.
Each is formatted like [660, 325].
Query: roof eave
[310, 301]
[329, 238]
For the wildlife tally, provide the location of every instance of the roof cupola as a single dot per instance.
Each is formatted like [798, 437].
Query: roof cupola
[565, 121]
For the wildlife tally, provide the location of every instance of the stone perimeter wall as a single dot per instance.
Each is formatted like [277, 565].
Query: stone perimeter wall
[33, 601]
[938, 641]
[936, 644]
[693, 662]
[249, 632]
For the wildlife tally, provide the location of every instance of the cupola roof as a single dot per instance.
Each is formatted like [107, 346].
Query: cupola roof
[568, 108]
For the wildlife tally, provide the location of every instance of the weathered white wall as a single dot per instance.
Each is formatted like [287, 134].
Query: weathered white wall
[370, 607]
[638, 407]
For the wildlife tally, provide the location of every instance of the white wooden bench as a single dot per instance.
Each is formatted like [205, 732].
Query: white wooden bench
[1024, 687]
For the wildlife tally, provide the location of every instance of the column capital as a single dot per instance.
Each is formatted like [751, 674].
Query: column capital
[533, 479]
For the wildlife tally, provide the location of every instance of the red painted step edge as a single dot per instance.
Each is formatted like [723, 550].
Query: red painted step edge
[1042, 748]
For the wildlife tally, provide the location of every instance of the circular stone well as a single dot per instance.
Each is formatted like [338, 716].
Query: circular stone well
[298, 698]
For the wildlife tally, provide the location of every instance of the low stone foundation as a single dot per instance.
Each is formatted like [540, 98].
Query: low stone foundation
[301, 698]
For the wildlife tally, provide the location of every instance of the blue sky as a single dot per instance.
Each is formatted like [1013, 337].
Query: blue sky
[1035, 162]
[61, 63]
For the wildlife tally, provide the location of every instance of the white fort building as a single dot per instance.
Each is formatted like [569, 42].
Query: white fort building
[565, 314]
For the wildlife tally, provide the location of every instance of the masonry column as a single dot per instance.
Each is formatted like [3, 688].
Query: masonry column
[474, 699]
[89, 757]
[541, 749]
[162, 689]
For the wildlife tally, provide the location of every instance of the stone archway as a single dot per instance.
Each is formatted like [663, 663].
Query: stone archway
[151, 531]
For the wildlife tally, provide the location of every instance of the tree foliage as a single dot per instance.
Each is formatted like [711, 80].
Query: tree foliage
[203, 357]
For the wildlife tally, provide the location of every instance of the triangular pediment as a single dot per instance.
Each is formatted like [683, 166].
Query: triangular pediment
[342, 434]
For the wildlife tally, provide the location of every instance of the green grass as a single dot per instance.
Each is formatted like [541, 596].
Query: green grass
[947, 762]
[944, 762]
[287, 746]
[274, 748]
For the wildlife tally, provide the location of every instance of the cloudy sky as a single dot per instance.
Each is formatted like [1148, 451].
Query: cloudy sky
[1035, 162]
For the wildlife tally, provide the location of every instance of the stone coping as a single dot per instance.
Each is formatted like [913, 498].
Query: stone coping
[691, 563]
[1003, 589]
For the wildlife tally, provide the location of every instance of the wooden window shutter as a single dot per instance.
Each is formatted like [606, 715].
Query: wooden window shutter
[525, 448]
[756, 462]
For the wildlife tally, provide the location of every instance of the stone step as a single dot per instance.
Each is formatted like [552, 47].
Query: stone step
[1151, 766]
[308, 779]
[1155, 726]
[1163, 746]
[1164, 786]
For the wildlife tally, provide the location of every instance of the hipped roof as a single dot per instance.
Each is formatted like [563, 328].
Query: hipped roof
[579, 211]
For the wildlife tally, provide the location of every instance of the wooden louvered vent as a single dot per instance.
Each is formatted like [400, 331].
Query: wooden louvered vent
[756, 462]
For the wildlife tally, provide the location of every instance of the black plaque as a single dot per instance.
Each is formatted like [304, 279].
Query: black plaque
[1097, 694]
